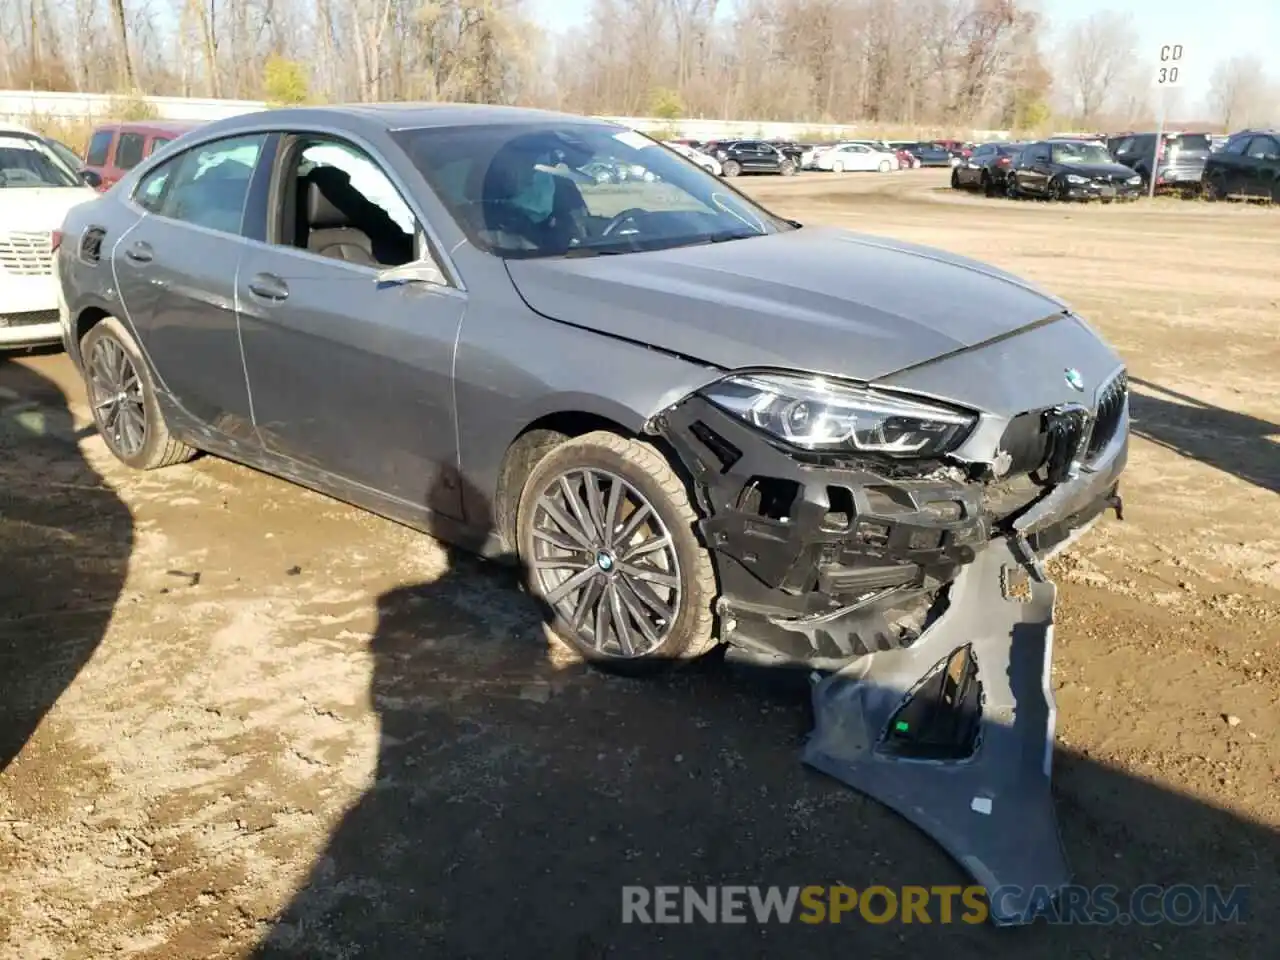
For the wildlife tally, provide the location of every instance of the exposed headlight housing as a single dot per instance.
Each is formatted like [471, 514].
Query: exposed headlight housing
[818, 414]
[1135, 179]
[1076, 178]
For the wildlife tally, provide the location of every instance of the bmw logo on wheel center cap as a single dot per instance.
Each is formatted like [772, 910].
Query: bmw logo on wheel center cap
[1074, 380]
[604, 560]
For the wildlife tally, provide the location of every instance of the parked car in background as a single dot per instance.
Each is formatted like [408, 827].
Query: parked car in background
[1071, 170]
[115, 149]
[790, 149]
[959, 149]
[1247, 167]
[987, 169]
[37, 188]
[857, 156]
[1178, 163]
[1217, 141]
[751, 156]
[535, 374]
[69, 157]
[931, 155]
[704, 160]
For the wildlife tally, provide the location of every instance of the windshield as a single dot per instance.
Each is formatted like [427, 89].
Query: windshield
[1190, 143]
[28, 162]
[1080, 153]
[576, 189]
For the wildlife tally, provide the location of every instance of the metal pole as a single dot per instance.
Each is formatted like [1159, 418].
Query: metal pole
[1155, 151]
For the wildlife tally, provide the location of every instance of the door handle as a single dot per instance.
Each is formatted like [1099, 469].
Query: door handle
[268, 286]
[140, 252]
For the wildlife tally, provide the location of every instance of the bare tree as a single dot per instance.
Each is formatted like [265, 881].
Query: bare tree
[1098, 55]
[1238, 91]
[127, 76]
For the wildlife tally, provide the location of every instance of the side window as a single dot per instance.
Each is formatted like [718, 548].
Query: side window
[347, 208]
[150, 192]
[210, 183]
[1124, 146]
[129, 150]
[99, 149]
[157, 143]
[1237, 145]
[1264, 148]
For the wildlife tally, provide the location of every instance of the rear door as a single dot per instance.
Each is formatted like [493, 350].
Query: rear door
[176, 270]
[350, 376]
[1036, 170]
[1262, 160]
[98, 154]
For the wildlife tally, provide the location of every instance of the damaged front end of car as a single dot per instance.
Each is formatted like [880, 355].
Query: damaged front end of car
[895, 545]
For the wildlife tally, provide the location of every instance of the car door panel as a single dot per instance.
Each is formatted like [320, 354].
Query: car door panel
[353, 377]
[177, 280]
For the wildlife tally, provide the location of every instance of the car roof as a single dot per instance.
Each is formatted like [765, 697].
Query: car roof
[416, 116]
[14, 128]
[162, 127]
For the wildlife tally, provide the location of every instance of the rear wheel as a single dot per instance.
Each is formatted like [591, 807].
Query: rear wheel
[885, 166]
[837, 167]
[123, 399]
[606, 535]
[787, 169]
[988, 185]
[955, 179]
[1058, 191]
[732, 168]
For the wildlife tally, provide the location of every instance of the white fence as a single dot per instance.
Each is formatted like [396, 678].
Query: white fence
[19, 106]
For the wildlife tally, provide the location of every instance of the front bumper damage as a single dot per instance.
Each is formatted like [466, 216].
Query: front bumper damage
[919, 597]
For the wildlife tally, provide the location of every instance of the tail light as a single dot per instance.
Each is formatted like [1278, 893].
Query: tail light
[55, 241]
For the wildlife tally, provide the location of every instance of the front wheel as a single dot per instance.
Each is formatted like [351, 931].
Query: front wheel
[837, 167]
[1011, 187]
[122, 396]
[955, 179]
[606, 535]
[1058, 191]
[988, 185]
[732, 168]
[885, 166]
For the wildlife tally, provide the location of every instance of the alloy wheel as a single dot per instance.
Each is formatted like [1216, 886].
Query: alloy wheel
[606, 563]
[115, 390]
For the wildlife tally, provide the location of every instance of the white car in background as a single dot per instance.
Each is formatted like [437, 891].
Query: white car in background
[704, 160]
[857, 156]
[36, 191]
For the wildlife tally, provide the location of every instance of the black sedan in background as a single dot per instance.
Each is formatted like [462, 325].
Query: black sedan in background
[931, 155]
[1071, 170]
[987, 168]
[751, 156]
[1247, 167]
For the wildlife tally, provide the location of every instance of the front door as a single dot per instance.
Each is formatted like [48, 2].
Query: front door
[176, 270]
[350, 376]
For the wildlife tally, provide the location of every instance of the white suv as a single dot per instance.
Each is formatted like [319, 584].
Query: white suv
[36, 191]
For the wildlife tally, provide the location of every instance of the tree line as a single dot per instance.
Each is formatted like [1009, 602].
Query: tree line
[978, 63]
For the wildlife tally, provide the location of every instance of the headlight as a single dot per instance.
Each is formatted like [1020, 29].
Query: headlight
[1135, 179]
[819, 414]
[1074, 178]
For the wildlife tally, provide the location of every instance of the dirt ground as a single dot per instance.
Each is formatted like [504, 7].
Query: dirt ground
[242, 719]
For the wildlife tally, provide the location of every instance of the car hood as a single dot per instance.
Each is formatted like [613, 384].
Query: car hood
[38, 208]
[1108, 170]
[818, 299]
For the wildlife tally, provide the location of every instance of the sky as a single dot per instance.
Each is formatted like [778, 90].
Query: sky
[1210, 31]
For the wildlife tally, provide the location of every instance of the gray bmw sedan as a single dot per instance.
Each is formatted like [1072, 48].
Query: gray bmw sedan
[692, 421]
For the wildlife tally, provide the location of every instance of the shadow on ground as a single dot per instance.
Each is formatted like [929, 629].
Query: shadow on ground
[65, 540]
[1236, 443]
[510, 808]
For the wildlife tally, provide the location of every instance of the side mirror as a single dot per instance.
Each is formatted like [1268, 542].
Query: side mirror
[92, 178]
[417, 271]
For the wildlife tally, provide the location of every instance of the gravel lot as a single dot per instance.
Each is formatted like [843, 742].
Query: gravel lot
[241, 718]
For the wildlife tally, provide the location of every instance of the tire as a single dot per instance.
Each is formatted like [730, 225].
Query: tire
[885, 166]
[731, 168]
[641, 475]
[112, 359]
[955, 179]
[837, 167]
[1210, 191]
[1058, 191]
[788, 169]
[988, 185]
[1011, 187]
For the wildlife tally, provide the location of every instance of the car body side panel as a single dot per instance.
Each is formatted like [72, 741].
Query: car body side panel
[514, 367]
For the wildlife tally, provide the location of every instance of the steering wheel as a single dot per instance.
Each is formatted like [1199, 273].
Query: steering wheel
[631, 213]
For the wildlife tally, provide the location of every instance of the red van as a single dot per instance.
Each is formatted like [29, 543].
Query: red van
[116, 148]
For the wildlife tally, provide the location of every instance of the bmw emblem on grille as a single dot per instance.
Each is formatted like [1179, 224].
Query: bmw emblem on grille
[1074, 380]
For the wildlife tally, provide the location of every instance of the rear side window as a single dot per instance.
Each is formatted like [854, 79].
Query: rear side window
[99, 149]
[157, 143]
[129, 150]
[1264, 148]
[1236, 145]
[211, 183]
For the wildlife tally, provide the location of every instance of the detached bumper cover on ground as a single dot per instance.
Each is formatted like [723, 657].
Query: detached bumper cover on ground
[955, 733]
